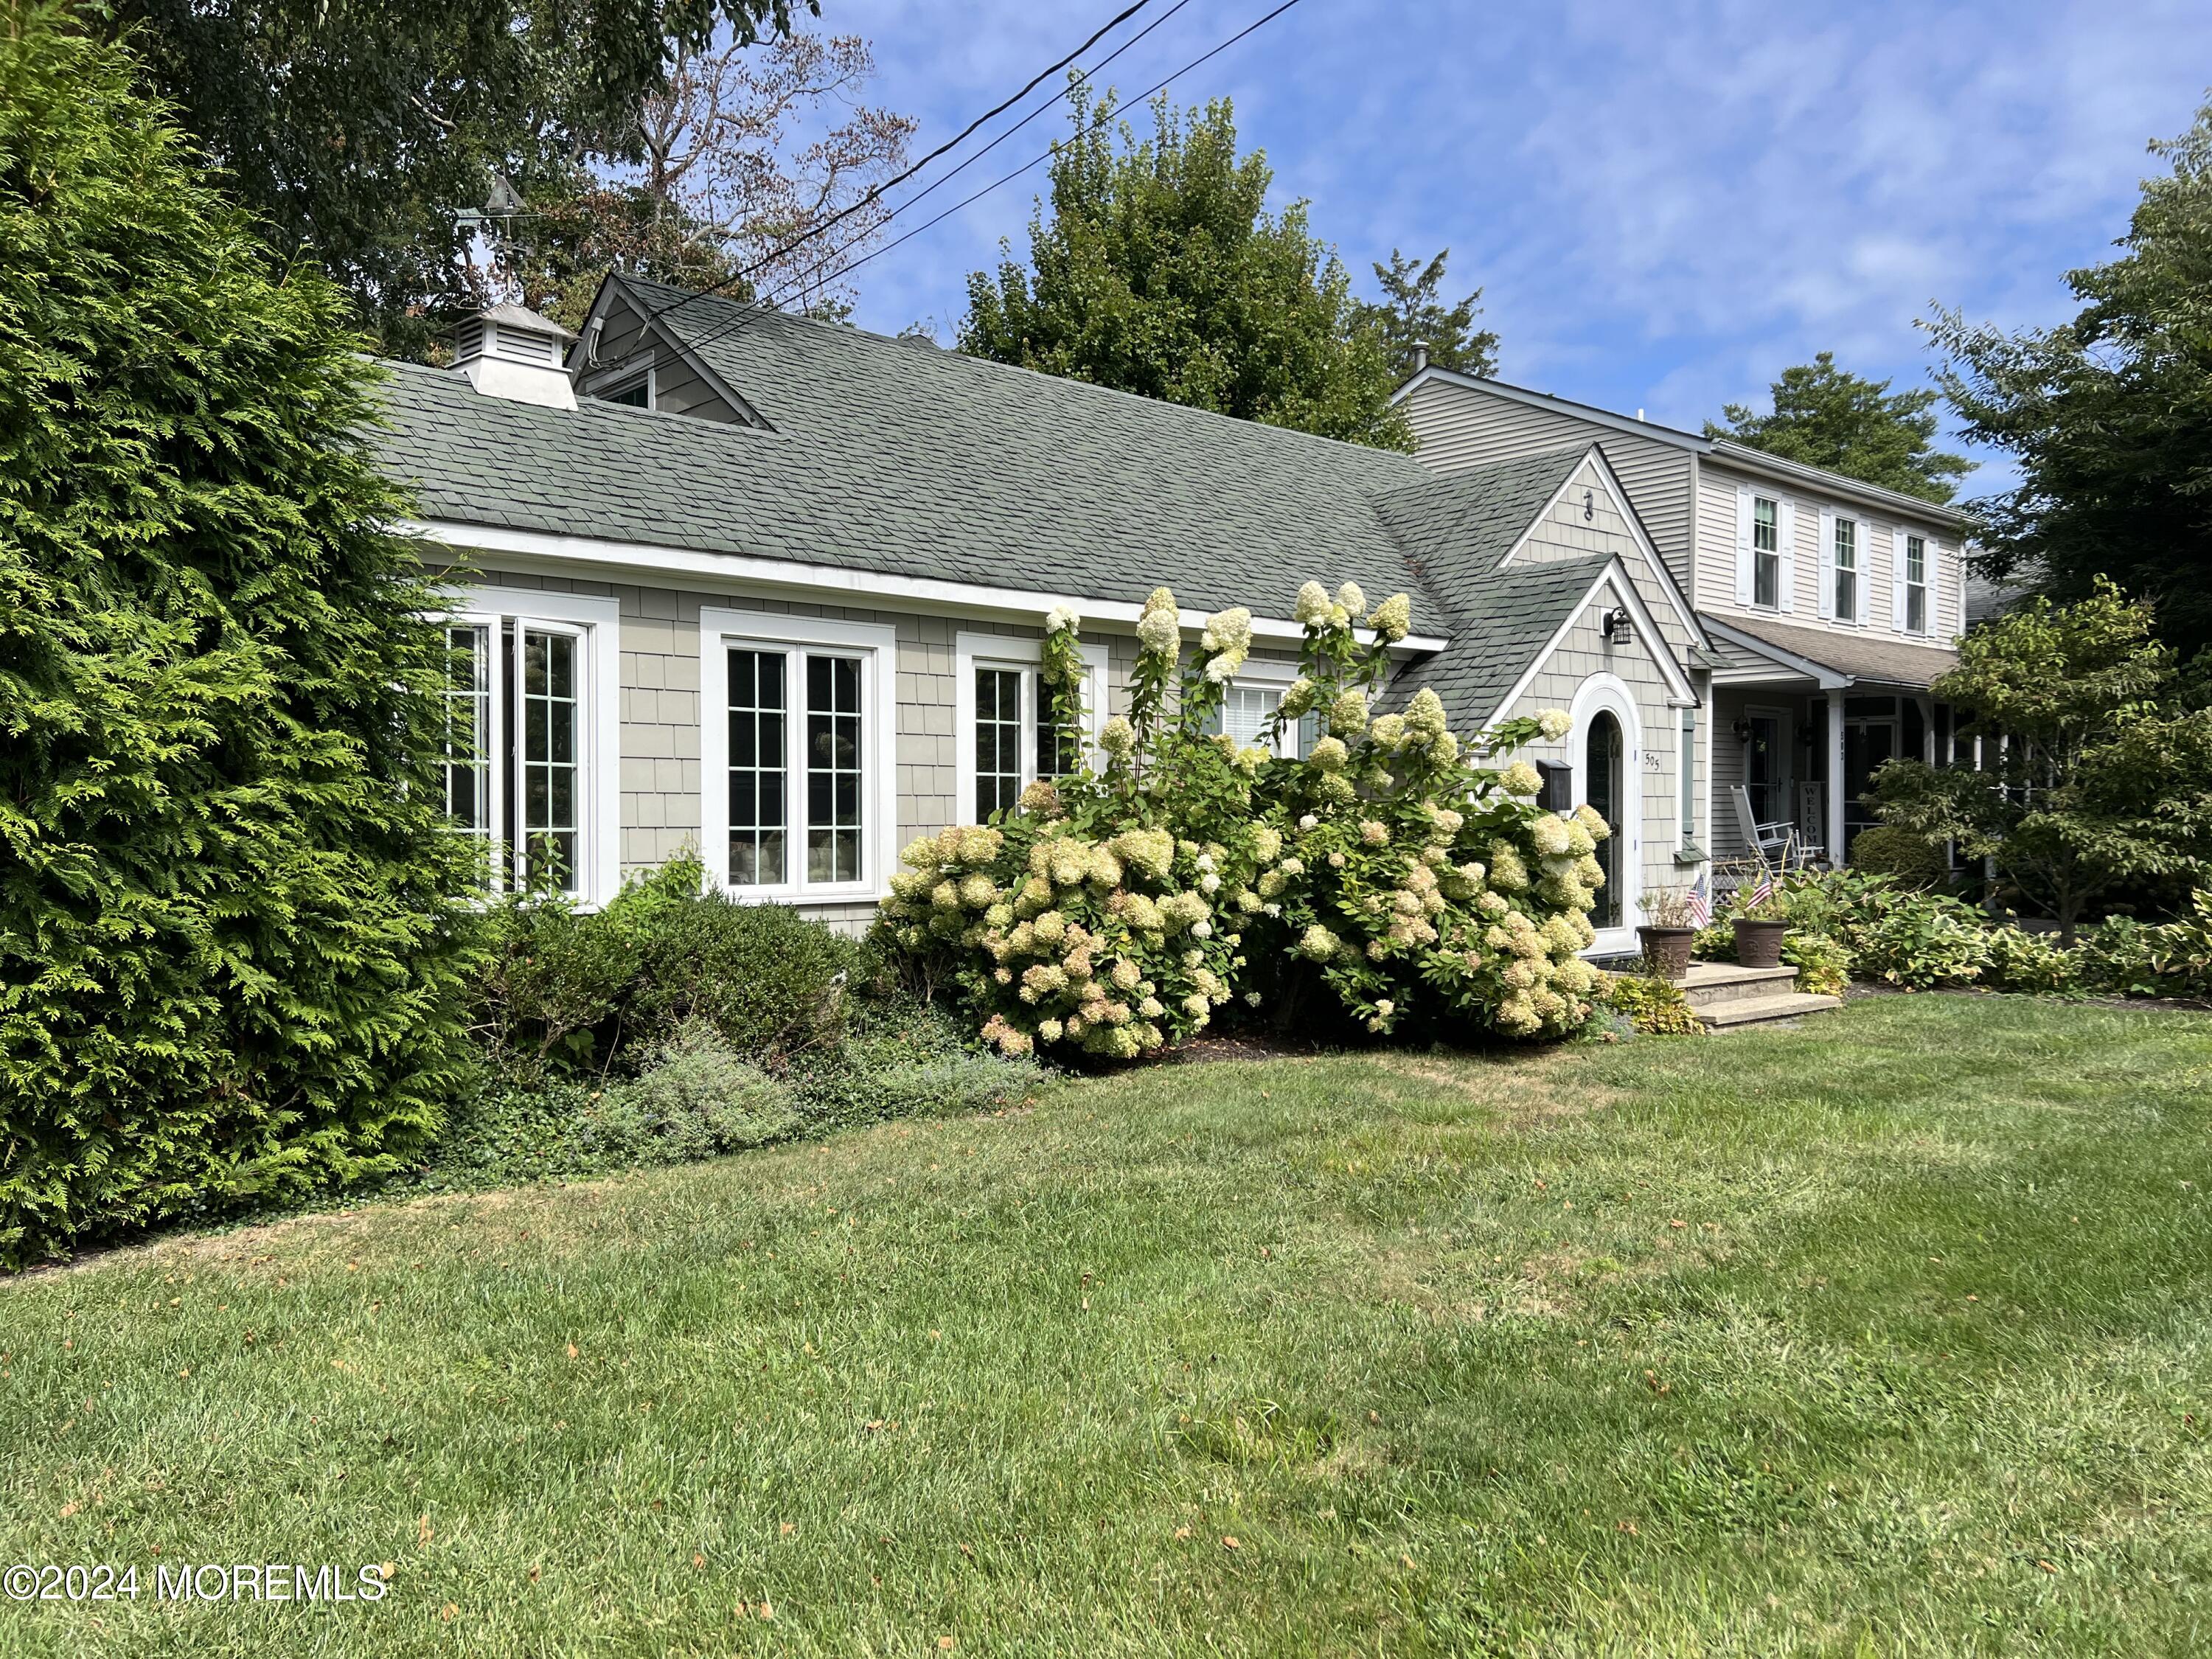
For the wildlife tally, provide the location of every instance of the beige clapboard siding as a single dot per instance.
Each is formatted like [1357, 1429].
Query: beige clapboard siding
[1461, 427]
[1717, 489]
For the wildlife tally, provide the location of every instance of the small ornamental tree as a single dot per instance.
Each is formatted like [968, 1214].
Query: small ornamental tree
[2096, 770]
[1394, 869]
[229, 964]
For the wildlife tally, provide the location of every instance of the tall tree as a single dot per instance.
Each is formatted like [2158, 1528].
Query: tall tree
[230, 898]
[1413, 317]
[2109, 415]
[1829, 417]
[748, 147]
[1160, 272]
[357, 132]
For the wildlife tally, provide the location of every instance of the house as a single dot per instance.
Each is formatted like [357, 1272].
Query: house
[774, 588]
[1830, 605]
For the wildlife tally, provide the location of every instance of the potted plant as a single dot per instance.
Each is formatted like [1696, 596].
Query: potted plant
[1761, 924]
[1667, 932]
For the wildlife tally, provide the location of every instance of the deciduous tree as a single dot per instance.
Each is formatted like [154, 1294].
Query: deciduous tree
[1159, 271]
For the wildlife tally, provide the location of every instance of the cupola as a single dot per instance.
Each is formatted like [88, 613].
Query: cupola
[510, 351]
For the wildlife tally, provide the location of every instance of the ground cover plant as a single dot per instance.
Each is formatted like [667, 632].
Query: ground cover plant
[1888, 1337]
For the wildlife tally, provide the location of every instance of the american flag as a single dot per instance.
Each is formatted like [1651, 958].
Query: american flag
[1701, 910]
[1761, 893]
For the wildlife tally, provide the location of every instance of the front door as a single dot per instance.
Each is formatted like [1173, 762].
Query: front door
[1867, 745]
[1605, 785]
[1766, 765]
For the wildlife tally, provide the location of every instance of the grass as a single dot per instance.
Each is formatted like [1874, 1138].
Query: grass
[1889, 1335]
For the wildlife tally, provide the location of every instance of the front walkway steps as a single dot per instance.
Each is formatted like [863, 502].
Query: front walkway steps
[1726, 997]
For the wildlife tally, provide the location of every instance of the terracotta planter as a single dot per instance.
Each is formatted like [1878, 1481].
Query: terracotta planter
[1666, 950]
[1759, 944]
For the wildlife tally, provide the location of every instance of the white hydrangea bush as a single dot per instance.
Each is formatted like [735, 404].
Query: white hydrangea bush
[1399, 871]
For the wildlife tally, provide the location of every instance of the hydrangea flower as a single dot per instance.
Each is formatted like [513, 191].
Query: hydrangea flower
[1350, 599]
[1117, 737]
[1348, 714]
[1319, 944]
[1520, 779]
[1393, 619]
[1330, 755]
[1160, 633]
[1312, 606]
[1554, 724]
[1388, 732]
[1061, 616]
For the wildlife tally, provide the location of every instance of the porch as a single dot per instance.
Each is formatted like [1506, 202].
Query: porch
[1801, 720]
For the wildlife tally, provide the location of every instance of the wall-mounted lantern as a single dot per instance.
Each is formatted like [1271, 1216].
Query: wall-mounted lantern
[1618, 625]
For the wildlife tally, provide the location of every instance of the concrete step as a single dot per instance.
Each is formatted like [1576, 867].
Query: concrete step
[1740, 1012]
[1710, 984]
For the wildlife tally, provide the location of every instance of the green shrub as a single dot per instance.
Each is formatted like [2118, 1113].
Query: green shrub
[571, 992]
[1889, 849]
[700, 1099]
[1380, 873]
[1823, 965]
[1921, 942]
[2021, 961]
[233, 951]
[1652, 1005]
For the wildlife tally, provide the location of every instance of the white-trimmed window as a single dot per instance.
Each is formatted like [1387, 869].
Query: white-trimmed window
[637, 393]
[1248, 706]
[1844, 570]
[532, 704]
[1916, 584]
[798, 753]
[1002, 721]
[1766, 552]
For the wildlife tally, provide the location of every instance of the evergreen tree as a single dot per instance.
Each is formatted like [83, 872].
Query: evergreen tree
[2109, 415]
[1413, 317]
[230, 965]
[1161, 272]
[1828, 417]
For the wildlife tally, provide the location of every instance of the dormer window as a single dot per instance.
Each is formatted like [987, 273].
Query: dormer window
[634, 394]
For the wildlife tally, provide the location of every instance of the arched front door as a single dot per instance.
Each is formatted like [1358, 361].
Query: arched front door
[1605, 789]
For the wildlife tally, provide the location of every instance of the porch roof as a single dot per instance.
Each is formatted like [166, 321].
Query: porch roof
[1829, 658]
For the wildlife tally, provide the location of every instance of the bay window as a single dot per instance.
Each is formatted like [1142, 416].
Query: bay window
[798, 746]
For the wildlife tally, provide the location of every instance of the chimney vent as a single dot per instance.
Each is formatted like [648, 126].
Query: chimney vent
[510, 351]
[1420, 356]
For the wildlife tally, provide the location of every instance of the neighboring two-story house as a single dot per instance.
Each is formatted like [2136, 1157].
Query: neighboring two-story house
[1828, 606]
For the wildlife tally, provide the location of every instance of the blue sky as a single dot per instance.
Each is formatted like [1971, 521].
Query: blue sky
[1665, 204]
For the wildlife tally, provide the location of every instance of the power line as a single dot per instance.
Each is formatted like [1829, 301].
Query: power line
[875, 192]
[737, 323]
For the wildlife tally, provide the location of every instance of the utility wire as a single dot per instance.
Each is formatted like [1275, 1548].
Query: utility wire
[796, 283]
[875, 192]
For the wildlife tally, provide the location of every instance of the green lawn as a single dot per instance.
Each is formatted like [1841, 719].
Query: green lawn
[1891, 1333]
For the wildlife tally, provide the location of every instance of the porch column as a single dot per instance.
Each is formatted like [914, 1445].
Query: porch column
[1834, 792]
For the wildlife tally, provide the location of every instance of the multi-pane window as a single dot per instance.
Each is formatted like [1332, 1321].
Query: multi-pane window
[524, 692]
[759, 768]
[1915, 585]
[469, 732]
[833, 769]
[998, 740]
[1059, 748]
[1766, 553]
[1246, 712]
[551, 711]
[1847, 570]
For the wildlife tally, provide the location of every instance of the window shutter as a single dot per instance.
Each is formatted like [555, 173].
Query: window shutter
[1897, 581]
[1785, 536]
[1743, 544]
[1828, 565]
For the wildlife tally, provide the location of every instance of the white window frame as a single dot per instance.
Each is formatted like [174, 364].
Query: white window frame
[1856, 567]
[721, 630]
[649, 380]
[597, 624]
[1774, 553]
[1276, 677]
[1906, 587]
[973, 651]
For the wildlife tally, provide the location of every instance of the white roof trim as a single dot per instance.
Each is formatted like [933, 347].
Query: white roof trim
[1827, 678]
[628, 561]
[1615, 575]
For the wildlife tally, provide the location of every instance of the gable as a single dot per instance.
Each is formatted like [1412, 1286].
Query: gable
[624, 345]
[1591, 514]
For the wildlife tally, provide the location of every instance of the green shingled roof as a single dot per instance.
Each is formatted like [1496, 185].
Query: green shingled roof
[897, 458]
[1501, 626]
